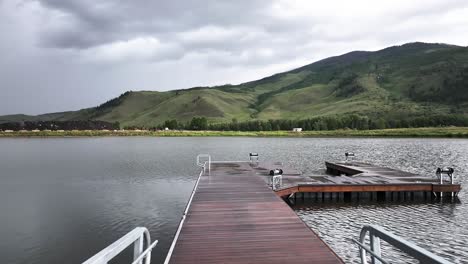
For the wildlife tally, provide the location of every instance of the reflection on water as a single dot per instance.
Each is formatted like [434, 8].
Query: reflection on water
[62, 200]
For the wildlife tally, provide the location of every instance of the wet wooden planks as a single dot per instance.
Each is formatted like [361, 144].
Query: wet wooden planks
[366, 169]
[363, 177]
[236, 218]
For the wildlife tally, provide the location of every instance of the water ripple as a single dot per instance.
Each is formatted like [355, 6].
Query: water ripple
[68, 198]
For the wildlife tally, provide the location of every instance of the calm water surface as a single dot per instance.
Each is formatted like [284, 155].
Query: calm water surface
[64, 199]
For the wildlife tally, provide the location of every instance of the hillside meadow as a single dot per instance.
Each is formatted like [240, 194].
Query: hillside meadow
[395, 84]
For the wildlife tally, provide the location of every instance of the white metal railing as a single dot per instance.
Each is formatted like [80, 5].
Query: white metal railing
[204, 163]
[138, 237]
[187, 207]
[376, 233]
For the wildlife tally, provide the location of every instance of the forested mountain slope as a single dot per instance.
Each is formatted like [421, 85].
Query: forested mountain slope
[400, 82]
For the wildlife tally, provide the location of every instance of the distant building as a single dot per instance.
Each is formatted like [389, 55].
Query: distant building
[297, 129]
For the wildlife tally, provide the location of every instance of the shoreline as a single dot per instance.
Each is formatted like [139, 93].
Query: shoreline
[428, 132]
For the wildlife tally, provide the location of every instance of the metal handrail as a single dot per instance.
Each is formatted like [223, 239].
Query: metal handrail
[203, 164]
[184, 215]
[376, 233]
[137, 237]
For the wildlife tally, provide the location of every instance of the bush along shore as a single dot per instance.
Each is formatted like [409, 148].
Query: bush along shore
[446, 132]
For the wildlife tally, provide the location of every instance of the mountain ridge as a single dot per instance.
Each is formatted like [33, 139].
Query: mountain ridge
[410, 80]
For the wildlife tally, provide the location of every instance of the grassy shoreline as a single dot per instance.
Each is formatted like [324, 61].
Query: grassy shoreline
[439, 132]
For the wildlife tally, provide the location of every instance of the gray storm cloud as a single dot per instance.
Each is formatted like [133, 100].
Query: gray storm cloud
[62, 55]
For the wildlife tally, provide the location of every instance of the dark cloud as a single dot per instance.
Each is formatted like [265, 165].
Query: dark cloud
[67, 54]
[83, 23]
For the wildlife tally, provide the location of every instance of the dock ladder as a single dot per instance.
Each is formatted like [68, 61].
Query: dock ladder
[138, 237]
[377, 233]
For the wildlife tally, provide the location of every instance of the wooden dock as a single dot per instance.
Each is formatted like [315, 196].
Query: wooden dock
[358, 177]
[234, 217]
[237, 215]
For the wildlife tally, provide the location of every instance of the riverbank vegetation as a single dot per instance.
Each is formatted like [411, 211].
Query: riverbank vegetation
[447, 132]
[317, 124]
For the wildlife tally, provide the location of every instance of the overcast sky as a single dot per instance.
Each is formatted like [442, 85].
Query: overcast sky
[59, 55]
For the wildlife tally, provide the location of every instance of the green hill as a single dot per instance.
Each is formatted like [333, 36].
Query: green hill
[412, 80]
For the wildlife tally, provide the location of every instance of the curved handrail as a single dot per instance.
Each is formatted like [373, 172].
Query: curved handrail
[376, 233]
[137, 237]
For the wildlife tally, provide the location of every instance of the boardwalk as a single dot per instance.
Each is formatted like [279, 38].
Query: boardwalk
[236, 218]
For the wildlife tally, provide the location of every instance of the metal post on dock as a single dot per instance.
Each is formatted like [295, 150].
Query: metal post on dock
[253, 156]
[449, 172]
[348, 155]
[277, 181]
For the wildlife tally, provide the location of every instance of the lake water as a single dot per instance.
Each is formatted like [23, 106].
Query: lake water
[64, 199]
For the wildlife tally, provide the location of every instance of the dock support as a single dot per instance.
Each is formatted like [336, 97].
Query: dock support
[347, 196]
[380, 196]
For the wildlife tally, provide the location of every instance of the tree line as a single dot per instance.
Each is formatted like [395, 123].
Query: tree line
[60, 125]
[201, 123]
[319, 123]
